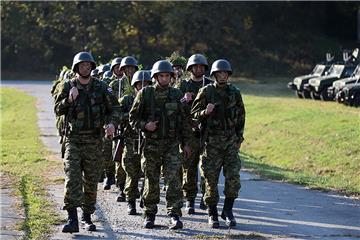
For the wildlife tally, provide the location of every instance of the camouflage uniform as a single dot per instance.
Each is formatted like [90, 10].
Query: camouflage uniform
[125, 89]
[190, 165]
[223, 134]
[82, 158]
[130, 157]
[161, 147]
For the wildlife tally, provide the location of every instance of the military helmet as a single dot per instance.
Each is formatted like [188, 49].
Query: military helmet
[104, 68]
[197, 59]
[83, 57]
[141, 76]
[107, 74]
[177, 60]
[221, 65]
[94, 72]
[162, 66]
[129, 61]
[115, 62]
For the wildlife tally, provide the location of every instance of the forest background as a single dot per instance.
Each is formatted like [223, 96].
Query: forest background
[259, 38]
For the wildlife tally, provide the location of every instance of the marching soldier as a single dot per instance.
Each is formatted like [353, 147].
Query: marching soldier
[132, 152]
[86, 102]
[220, 107]
[159, 114]
[196, 65]
[120, 87]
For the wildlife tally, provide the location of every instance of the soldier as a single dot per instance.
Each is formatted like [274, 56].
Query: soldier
[115, 68]
[196, 65]
[121, 86]
[131, 155]
[95, 73]
[159, 114]
[102, 70]
[221, 108]
[85, 102]
[178, 63]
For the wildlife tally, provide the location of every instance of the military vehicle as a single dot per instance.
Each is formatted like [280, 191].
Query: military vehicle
[339, 84]
[318, 86]
[319, 70]
[350, 94]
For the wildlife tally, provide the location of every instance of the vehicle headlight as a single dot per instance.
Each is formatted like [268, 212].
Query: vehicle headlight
[297, 81]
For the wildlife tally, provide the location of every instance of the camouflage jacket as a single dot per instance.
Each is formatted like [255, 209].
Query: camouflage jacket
[229, 112]
[125, 105]
[189, 85]
[155, 103]
[125, 87]
[88, 113]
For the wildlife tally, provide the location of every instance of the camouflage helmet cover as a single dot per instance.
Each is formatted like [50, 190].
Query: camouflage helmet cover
[83, 57]
[197, 59]
[177, 60]
[221, 65]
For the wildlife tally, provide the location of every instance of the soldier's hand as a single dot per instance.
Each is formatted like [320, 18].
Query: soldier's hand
[73, 94]
[109, 130]
[187, 151]
[209, 108]
[151, 126]
[188, 96]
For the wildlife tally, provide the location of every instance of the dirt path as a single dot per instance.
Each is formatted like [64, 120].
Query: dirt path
[265, 209]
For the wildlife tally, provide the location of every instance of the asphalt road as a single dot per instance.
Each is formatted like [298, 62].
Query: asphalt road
[264, 210]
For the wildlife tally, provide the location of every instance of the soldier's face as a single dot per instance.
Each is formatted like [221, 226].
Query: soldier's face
[129, 71]
[164, 79]
[117, 70]
[221, 77]
[84, 69]
[198, 70]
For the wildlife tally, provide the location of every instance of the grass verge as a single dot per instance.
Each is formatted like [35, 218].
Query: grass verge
[23, 158]
[309, 142]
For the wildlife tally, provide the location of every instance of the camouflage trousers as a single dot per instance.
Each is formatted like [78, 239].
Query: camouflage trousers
[190, 172]
[81, 166]
[159, 153]
[120, 174]
[106, 154]
[131, 163]
[220, 152]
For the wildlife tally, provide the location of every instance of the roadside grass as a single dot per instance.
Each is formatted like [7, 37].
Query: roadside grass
[313, 143]
[23, 158]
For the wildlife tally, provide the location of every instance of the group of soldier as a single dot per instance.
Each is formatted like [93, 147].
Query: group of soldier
[149, 123]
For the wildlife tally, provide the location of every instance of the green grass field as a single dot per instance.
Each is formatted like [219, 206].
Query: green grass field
[23, 161]
[310, 142]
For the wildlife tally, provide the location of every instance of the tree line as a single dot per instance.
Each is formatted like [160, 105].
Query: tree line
[258, 38]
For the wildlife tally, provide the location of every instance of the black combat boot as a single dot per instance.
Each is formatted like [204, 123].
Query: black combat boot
[109, 180]
[102, 176]
[190, 207]
[175, 222]
[149, 221]
[121, 196]
[73, 222]
[131, 207]
[202, 205]
[213, 216]
[86, 221]
[227, 213]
